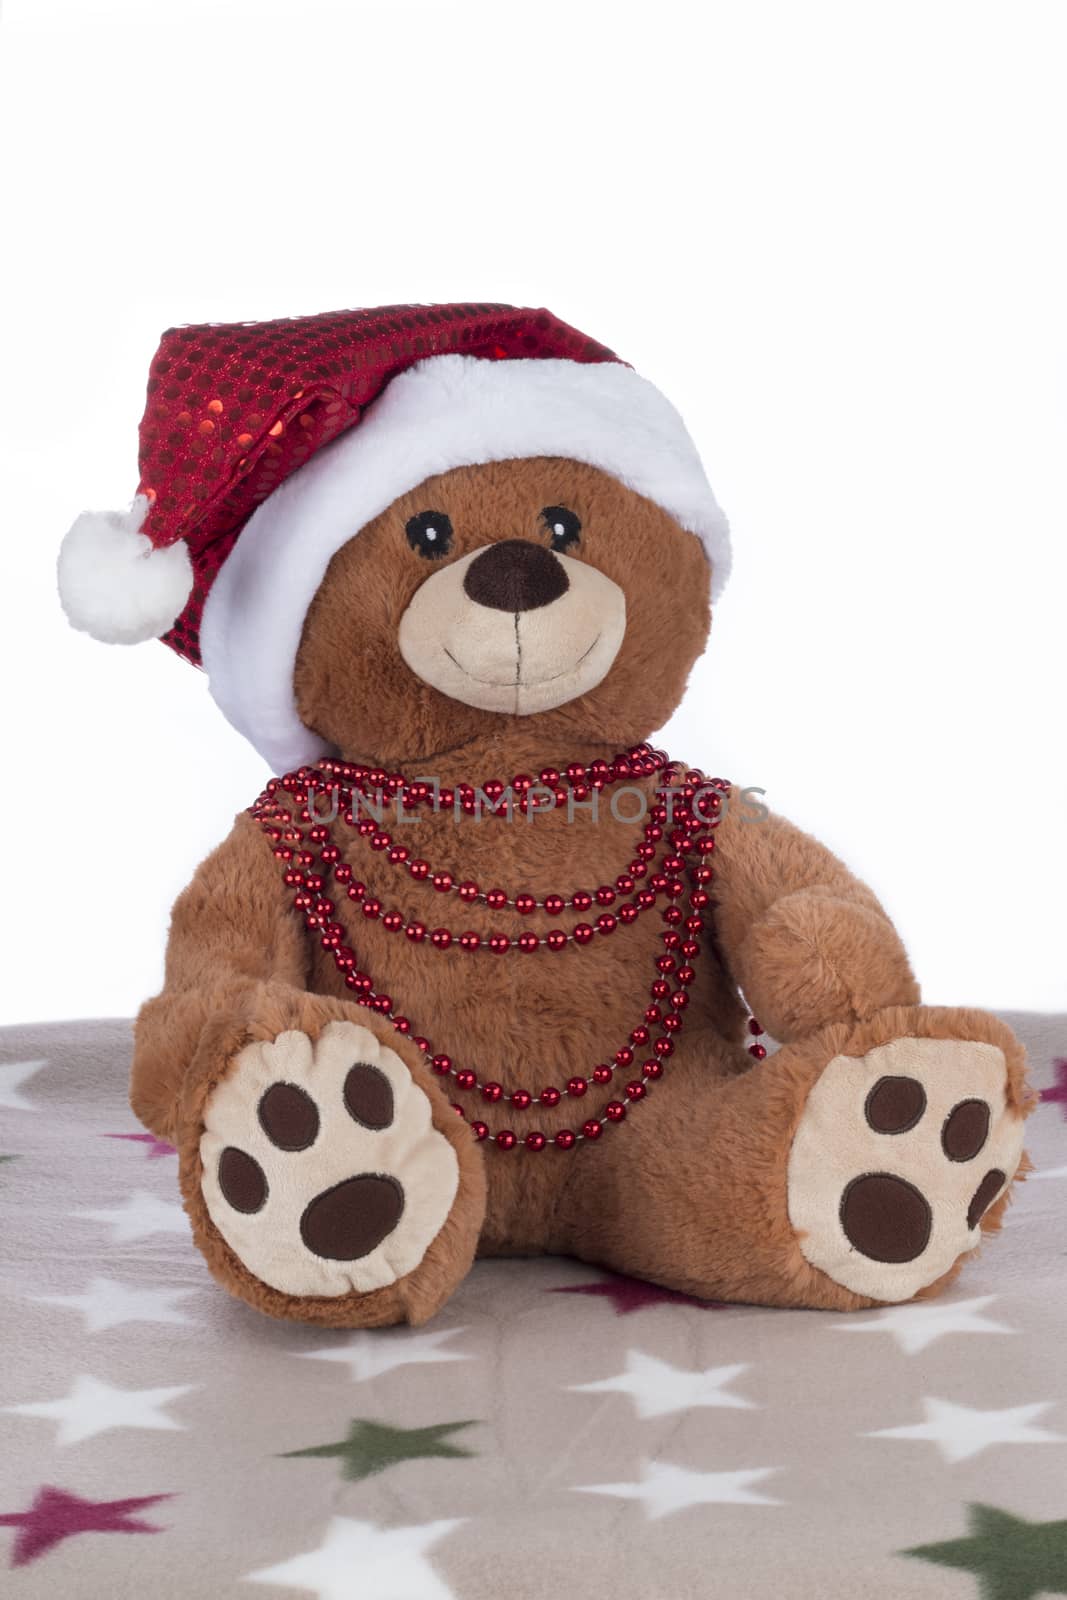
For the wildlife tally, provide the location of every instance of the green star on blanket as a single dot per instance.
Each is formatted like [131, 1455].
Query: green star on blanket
[1012, 1559]
[372, 1446]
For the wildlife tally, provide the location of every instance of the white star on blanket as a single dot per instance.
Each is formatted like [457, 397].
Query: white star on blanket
[372, 1352]
[358, 1558]
[107, 1304]
[664, 1488]
[12, 1075]
[961, 1432]
[657, 1388]
[914, 1327]
[140, 1215]
[94, 1407]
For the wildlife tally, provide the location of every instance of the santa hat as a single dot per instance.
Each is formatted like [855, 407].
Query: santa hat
[264, 447]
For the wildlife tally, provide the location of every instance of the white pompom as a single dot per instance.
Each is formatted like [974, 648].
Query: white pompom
[114, 583]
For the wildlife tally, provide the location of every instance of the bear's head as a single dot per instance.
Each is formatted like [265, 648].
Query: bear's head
[534, 603]
[397, 534]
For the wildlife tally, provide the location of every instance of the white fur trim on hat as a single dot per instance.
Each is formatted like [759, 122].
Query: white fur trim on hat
[114, 583]
[447, 411]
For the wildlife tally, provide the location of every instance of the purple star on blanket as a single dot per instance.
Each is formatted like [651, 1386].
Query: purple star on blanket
[632, 1294]
[156, 1147]
[56, 1515]
[1058, 1093]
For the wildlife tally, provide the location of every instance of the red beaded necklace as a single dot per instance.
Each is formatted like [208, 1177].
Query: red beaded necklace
[683, 823]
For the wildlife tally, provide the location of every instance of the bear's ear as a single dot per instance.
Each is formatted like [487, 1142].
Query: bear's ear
[114, 583]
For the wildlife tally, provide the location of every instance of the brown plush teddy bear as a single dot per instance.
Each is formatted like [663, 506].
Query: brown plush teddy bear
[465, 979]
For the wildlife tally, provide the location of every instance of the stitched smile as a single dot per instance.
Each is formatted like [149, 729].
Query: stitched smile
[517, 682]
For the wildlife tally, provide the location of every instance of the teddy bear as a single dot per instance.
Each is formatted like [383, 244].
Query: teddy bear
[472, 976]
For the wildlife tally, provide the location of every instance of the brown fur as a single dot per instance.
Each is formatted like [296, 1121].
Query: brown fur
[690, 1190]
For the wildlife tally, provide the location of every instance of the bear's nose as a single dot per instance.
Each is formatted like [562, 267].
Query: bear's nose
[515, 575]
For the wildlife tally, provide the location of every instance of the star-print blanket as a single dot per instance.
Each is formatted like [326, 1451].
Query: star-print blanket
[554, 1432]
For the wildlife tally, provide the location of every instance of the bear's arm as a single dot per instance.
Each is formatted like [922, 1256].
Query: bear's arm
[808, 943]
[232, 931]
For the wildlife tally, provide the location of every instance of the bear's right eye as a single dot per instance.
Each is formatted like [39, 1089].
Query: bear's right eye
[430, 533]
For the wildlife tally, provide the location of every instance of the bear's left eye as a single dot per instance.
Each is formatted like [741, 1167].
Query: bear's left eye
[563, 525]
[430, 533]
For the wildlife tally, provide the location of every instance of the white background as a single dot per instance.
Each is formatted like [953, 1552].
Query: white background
[834, 234]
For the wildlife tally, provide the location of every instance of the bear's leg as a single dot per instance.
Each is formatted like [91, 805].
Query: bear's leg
[325, 1173]
[858, 1167]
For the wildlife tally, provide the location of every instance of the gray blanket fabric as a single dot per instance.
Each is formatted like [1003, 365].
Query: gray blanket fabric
[554, 1432]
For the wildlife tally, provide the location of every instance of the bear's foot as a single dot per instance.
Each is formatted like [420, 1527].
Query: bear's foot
[326, 1183]
[906, 1146]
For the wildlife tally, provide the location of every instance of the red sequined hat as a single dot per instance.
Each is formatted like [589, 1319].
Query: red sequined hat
[264, 447]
